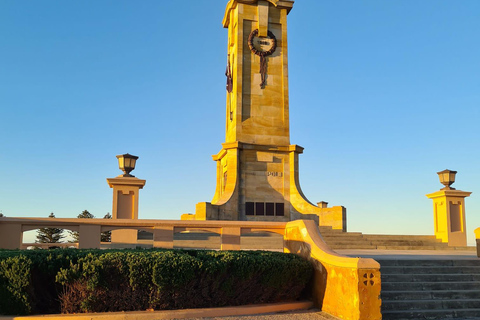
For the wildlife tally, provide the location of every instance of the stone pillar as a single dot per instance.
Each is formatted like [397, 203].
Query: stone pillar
[163, 237]
[125, 205]
[322, 204]
[89, 236]
[11, 235]
[449, 216]
[230, 238]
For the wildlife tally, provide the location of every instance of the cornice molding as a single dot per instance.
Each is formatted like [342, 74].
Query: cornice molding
[281, 4]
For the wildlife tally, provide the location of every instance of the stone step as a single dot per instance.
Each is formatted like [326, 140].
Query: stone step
[331, 242]
[423, 247]
[351, 246]
[324, 231]
[343, 242]
[327, 229]
[431, 304]
[429, 277]
[349, 241]
[360, 245]
[431, 270]
[429, 262]
[471, 314]
[371, 246]
[337, 239]
[430, 295]
[427, 286]
[400, 237]
[381, 241]
[430, 289]
[387, 243]
[341, 235]
[471, 248]
[405, 243]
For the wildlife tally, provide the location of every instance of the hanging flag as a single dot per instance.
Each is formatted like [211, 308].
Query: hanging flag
[228, 73]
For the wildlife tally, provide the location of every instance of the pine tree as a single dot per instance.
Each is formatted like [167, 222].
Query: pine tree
[49, 235]
[107, 235]
[84, 215]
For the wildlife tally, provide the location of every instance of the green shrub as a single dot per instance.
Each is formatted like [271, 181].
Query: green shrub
[68, 281]
[38, 292]
[14, 284]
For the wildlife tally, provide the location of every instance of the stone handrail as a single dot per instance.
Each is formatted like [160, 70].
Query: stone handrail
[348, 288]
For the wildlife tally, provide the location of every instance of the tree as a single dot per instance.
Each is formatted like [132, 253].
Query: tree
[107, 235]
[49, 235]
[84, 215]
[1, 215]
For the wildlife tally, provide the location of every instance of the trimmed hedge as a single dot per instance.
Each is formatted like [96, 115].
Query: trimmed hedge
[27, 279]
[74, 281]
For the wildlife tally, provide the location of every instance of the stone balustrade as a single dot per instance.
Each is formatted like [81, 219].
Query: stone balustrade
[11, 230]
[346, 287]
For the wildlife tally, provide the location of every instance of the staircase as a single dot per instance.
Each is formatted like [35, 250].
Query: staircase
[337, 239]
[415, 288]
[430, 289]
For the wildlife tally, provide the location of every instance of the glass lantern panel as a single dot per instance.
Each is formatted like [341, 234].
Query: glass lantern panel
[121, 163]
[444, 177]
[127, 162]
[452, 176]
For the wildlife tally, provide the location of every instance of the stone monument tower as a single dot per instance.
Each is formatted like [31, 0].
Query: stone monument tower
[257, 168]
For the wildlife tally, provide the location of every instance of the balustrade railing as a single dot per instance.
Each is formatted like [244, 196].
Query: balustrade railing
[346, 287]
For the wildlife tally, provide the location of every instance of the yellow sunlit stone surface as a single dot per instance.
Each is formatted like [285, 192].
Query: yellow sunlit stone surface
[257, 164]
[449, 216]
[348, 288]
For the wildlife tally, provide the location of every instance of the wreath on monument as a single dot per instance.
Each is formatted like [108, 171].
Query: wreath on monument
[254, 34]
[262, 54]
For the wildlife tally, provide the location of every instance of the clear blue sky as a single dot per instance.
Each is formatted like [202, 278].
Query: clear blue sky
[383, 94]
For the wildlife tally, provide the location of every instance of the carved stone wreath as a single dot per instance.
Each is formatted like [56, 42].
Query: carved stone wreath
[262, 54]
[254, 34]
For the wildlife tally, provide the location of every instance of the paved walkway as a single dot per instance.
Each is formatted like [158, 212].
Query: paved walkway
[312, 314]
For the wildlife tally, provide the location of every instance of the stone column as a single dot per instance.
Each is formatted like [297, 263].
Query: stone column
[125, 206]
[163, 237]
[89, 236]
[230, 238]
[449, 216]
[11, 235]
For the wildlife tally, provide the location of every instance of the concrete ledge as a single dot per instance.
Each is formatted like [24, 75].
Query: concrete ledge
[174, 314]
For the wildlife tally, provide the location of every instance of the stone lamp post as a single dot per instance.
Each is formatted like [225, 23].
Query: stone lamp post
[125, 198]
[449, 211]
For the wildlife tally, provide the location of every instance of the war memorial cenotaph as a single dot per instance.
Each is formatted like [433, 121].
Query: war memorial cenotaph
[257, 167]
